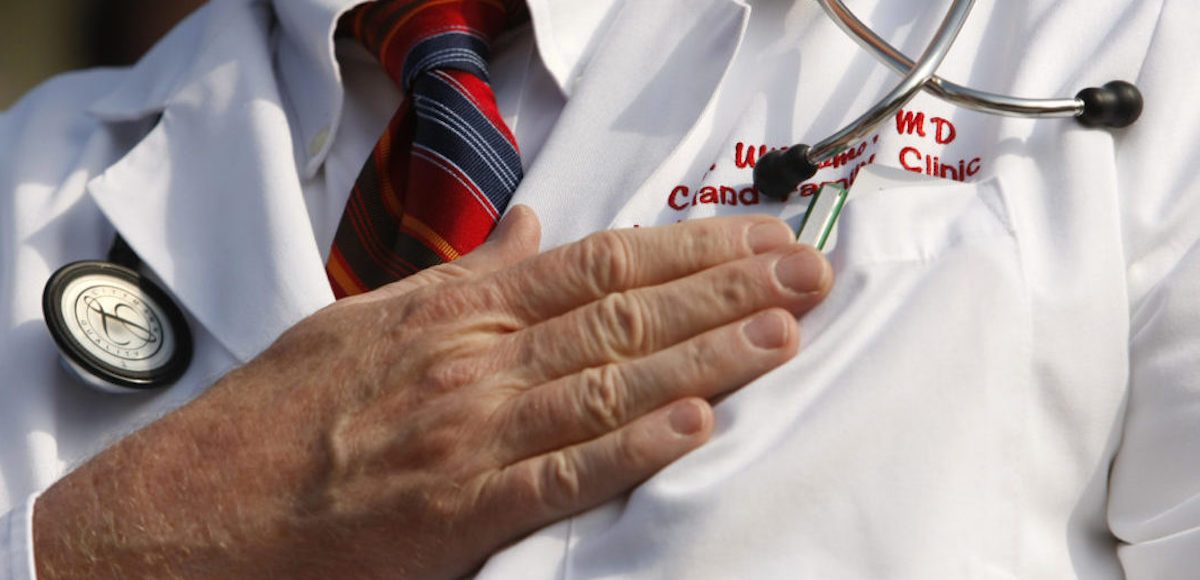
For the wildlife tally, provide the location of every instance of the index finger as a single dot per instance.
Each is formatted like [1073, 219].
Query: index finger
[617, 260]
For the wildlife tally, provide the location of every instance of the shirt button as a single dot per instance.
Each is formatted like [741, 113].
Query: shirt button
[317, 144]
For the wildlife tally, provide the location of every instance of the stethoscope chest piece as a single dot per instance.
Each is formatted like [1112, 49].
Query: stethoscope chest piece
[116, 329]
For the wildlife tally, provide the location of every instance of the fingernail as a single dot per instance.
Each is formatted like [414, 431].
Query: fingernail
[767, 236]
[767, 331]
[803, 271]
[687, 418]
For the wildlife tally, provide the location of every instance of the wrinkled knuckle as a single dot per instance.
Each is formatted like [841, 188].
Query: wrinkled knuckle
[449, 373]
[608, 257]
[702, 356]
[561, 484]
[737, 286]
[601, 400]
[622, 319]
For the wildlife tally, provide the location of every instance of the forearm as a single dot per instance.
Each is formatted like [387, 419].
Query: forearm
[193, 495]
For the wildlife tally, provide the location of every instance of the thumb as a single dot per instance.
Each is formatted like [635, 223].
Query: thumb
[515, 238]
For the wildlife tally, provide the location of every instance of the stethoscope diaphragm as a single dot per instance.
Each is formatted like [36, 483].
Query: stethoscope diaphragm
[116, 329]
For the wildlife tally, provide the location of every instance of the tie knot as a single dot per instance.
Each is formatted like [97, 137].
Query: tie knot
[410, 37]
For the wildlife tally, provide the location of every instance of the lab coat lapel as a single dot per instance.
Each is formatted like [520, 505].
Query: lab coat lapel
[652, 75]
[210, 199]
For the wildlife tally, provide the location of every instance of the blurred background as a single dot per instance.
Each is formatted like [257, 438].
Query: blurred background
[41, 38]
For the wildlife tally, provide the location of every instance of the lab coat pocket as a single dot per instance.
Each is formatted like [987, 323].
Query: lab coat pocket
[919, 223]
[889, 447]
[917, 371]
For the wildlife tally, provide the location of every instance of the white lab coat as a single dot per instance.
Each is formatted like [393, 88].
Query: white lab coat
[1002, 384]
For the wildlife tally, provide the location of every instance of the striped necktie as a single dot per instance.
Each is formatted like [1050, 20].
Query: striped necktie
[446, 166]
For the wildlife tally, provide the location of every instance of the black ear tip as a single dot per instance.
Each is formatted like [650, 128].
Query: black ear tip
[769, 176]
[778, 173]
[1117, 104]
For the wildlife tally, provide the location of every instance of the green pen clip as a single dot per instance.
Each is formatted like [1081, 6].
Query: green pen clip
[822, 216]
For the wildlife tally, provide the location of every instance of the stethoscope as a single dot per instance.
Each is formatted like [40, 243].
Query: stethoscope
[117, 330]
[121, 333]
[778, 173]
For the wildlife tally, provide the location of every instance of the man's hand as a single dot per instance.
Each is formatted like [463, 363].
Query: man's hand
[412, 431]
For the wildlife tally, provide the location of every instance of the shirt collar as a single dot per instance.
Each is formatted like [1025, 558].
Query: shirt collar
[308, 73]
[566, 32]
[311, 82]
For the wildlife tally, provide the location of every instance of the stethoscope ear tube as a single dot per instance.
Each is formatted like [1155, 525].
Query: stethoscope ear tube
[778, 179]
[1115, 105]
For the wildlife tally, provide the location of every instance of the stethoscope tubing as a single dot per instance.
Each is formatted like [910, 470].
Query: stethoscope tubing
[917, 77]
[959, 95]
[777, 174]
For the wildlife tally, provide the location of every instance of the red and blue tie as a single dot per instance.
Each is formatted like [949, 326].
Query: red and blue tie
[445, 168]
